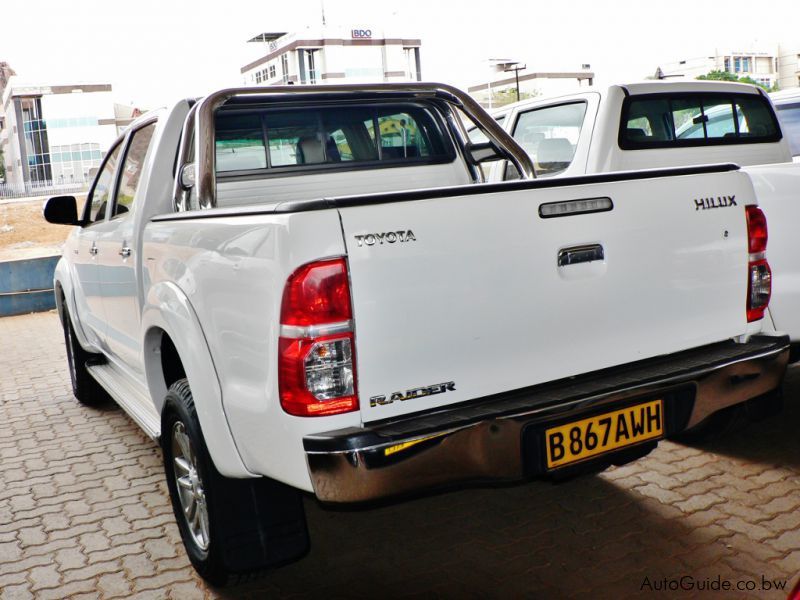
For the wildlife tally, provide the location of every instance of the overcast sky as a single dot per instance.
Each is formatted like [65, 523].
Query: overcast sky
[154, 51]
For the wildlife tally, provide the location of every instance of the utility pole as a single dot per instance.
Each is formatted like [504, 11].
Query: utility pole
[516, 67]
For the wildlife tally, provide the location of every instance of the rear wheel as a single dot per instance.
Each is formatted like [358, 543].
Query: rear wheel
[231, 528]
[84, 386]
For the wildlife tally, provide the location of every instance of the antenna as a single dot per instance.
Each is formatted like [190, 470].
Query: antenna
[322, 9]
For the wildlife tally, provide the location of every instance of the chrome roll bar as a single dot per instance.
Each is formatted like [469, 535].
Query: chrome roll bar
[198, 145]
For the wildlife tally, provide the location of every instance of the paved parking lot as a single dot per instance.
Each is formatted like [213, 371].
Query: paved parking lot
[84, 513]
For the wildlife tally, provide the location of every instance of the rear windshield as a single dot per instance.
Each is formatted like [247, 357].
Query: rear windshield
[279, 140]
[789, 116]
[681, 120]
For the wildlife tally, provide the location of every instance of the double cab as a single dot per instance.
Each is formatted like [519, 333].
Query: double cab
[312, 291]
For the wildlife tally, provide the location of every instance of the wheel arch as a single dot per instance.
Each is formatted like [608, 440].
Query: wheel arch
[172, 332]
[64, 292]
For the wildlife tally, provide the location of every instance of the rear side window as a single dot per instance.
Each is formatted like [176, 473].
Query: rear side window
[549, 135]
[682, 120]
[789, 116]
[278, 140]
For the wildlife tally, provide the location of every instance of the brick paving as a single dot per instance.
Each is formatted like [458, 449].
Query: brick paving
[84, 513]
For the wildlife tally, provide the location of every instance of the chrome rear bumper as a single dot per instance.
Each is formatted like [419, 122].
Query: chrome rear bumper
[499, 438]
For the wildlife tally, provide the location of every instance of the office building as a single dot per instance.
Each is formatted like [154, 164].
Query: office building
[54, 133]
[330, 55]
[768, 65]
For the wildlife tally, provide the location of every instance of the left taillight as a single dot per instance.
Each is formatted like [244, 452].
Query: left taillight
[759, 282]
[316, 364]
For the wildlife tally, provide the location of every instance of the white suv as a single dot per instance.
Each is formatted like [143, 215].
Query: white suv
[787, 106]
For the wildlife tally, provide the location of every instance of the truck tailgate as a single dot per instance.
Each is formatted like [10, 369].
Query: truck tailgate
[459, 295]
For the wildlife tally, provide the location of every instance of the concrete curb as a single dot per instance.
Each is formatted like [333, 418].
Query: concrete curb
[26, 286]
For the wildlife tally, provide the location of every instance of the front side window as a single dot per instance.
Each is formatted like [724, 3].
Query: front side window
[401, 137]
[550, 135]
[789, 116]
[476, 136]
[281, 138]
[132, 169]
[657, 121]
[101, 191]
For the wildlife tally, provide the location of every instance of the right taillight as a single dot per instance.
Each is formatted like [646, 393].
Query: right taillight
[316, 363]
[759, 281]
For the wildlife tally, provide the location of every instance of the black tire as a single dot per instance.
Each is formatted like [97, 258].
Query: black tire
[84, 386]
[250, 525]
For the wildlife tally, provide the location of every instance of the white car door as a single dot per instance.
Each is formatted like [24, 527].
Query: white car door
[117, 260]
[87, 292]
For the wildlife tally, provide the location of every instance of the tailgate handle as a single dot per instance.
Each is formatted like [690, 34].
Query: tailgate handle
[580, 254]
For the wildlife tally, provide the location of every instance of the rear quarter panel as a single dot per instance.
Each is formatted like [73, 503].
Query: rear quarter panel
[233, 271]
[777, 190]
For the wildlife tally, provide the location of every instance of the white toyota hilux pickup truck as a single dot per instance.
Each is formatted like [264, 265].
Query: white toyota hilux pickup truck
[309, 289]
[669, 124]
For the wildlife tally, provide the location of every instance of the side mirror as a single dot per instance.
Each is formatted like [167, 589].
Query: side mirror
[187, 176]
[479, 152]
[61, 210]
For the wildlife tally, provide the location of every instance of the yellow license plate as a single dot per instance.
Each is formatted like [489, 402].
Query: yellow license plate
[603, 433]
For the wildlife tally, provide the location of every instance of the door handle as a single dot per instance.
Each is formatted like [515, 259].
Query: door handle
[125, 252]
[580, 254]
[93, 250]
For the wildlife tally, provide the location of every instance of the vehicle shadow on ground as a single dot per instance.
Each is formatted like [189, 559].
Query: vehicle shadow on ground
[773, 440]
[532, 540]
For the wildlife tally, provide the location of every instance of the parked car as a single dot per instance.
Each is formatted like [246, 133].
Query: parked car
[787, 106]
[658, 124]
[298, 304]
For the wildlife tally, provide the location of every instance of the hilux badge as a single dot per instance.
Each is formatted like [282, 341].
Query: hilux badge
[714, 202]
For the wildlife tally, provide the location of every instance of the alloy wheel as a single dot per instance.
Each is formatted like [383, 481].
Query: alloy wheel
[190, 486]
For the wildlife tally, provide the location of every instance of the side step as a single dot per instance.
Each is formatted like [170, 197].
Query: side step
[128, 396]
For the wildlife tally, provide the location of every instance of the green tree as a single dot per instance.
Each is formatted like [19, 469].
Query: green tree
[507, 96]
[2, 166]
[725, 76]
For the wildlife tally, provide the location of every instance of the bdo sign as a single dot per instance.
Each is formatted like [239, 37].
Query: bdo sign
[361, 33]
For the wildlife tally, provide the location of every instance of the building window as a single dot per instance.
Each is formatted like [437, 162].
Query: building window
[742, 64]
[37, 148]
[412, 64]
[272, 71]
[308, 65]
[73, 163]
[285, 67]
